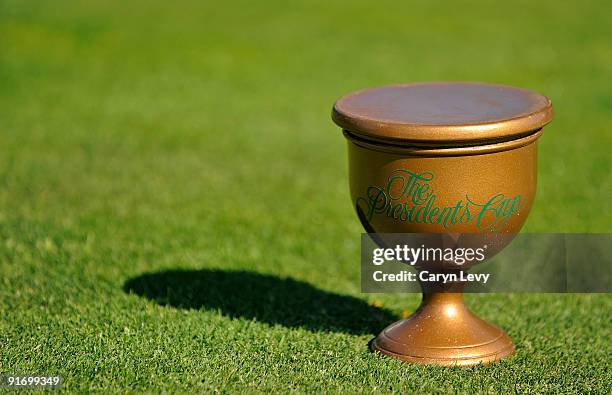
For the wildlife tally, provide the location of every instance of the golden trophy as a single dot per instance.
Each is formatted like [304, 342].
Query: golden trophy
[450, 158]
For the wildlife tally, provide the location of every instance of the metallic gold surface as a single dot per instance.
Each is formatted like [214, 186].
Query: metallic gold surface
[443, 331]
[503, 170]
[442, 112]
[416, 150]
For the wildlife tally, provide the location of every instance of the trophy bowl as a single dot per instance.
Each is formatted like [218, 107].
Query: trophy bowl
[453, 159]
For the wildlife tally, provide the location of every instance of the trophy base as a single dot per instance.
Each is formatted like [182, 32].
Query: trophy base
[443, 332]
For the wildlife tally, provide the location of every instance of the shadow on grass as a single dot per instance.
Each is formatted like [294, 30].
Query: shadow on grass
[261, 297]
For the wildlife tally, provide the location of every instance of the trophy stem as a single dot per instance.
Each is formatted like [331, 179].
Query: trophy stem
[443, 331]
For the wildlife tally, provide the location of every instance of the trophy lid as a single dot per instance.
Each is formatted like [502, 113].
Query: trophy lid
[442, 113]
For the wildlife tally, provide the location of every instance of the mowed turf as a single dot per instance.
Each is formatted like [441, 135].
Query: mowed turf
[174, 209]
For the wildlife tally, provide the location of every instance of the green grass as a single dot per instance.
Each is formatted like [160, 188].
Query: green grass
[174, 211]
